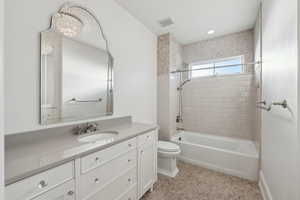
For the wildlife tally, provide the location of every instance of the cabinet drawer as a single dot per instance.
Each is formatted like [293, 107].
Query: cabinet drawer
[146, 138]
[117, 187]
[40, 183]
[102, 176]
[99, 158]
[63, 192]
[130, 195]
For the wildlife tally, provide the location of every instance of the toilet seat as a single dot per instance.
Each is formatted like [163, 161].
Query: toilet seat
[168, 147]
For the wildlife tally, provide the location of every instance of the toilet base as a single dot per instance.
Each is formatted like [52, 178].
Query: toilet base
[167, 166]
[168, 173]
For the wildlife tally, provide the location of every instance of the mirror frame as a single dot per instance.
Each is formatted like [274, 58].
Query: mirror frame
[110, 98]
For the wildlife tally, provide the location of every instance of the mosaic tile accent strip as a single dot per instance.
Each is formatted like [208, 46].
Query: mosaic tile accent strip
[163, 52]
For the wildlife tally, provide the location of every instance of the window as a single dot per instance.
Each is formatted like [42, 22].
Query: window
[210, 68]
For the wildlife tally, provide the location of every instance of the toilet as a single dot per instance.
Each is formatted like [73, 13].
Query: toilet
[166, 161]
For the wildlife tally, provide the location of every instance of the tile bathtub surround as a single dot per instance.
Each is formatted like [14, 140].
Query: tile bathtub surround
[218, 105]
[176, 62]
[236, 44]
[196, 183]
[221, 106]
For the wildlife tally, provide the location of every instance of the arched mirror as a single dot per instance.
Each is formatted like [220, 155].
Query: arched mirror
[76, 67]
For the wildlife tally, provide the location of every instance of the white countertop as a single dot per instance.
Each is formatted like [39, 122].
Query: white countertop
[24, 160]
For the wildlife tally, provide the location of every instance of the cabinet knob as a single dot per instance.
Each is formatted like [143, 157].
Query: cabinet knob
[129, 160]
[70, 193]
[130, 145]
[97, 159]
[42, 184]
[129, 179]
[96, 180]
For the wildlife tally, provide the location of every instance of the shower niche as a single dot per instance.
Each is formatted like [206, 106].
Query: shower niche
[76, 67]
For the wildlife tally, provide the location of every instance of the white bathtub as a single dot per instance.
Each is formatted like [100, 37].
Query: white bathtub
[231, 156]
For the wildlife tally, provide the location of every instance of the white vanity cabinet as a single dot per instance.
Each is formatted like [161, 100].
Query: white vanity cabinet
[54, 184]
[124, 171]
[62, 192]
[109, 173]
[147, 162]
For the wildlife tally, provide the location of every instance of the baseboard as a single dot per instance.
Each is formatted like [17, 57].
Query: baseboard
[217, 168]
[264, 188]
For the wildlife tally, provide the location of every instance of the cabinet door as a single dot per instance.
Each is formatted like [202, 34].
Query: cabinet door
[146, 168]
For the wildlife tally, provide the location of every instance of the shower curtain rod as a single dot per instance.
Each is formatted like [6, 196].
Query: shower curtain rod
[216, 67]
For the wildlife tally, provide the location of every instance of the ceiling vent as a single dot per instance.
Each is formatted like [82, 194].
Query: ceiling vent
[166, 22]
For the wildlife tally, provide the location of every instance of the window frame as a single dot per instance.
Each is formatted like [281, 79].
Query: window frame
[214, 61]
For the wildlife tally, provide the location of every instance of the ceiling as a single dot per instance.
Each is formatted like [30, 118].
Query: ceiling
[194, 18]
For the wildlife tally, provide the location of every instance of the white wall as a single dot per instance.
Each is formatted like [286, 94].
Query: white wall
[298, 99]
[132, 45]
[1, 99]
[280, 81]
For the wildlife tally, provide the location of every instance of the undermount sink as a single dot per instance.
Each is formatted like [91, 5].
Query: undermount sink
[100, 136]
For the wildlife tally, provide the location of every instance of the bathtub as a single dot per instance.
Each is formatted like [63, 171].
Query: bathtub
[235, 157]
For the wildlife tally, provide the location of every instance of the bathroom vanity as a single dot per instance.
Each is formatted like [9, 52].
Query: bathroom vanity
[117, 161]
[123, 168]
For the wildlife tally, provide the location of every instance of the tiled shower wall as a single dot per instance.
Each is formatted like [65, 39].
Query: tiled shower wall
[221, 105]
[176, 62]
[235, 44]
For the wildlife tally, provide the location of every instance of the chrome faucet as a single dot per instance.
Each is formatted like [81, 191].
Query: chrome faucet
[86, 128]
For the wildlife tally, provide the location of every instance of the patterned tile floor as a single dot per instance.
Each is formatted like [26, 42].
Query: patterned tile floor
[196, 183]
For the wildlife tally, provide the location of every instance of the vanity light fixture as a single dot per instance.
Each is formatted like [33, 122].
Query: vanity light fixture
[67, 24]
[70, 25]
[210, 32]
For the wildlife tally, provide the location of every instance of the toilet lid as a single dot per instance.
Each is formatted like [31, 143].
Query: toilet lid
[168, 146]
